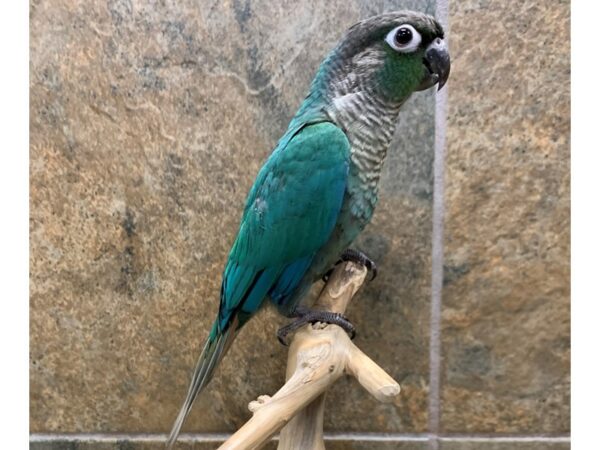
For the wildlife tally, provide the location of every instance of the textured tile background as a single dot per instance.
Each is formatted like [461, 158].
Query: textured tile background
[506, 336]
[149, 121]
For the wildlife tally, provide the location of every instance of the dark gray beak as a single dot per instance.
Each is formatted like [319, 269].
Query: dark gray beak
[437, 65]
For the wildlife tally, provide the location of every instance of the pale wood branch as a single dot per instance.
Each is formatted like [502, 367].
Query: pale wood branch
[319, 354]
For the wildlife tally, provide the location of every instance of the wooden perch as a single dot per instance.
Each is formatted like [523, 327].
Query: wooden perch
[319, 354]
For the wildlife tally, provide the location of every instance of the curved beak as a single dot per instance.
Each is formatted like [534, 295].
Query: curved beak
[437, 65]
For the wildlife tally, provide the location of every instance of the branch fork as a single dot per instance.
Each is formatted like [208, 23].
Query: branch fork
[319, 354]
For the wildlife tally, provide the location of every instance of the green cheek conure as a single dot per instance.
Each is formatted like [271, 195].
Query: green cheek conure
[318, 189]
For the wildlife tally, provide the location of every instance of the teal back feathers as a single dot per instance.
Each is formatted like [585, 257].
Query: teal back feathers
[290, 212]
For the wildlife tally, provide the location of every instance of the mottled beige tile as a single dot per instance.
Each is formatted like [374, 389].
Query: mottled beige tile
[148, 123]
[506, 336]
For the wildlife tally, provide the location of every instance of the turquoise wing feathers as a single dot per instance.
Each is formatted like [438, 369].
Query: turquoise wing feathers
[290, 214]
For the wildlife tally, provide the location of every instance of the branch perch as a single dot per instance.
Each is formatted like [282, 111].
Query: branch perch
[319, 354]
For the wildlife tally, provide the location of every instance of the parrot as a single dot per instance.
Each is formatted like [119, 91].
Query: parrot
[318, 188]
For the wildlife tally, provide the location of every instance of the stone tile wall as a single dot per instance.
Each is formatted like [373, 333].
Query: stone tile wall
[505, 327]
[148, 123]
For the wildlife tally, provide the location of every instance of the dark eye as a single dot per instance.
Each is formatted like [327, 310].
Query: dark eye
[404, 38]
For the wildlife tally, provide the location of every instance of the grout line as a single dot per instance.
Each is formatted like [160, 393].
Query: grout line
[375, 437]
[132, 437]
[341, 436]
[437, 251]
[540, 438]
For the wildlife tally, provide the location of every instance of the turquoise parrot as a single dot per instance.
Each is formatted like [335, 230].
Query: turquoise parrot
[318, 189]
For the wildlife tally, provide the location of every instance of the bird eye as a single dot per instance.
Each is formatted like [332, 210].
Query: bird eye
[404, 38]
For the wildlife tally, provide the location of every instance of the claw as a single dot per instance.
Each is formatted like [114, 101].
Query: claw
[325, 277]
[360, 258]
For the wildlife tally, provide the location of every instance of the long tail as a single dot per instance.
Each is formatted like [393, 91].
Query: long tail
[215, 348]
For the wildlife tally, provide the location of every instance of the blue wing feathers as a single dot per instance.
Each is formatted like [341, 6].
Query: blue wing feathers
[290, 213]
[289, 279]
[255, 295]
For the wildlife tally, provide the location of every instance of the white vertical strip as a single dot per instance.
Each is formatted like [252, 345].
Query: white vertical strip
[437, 257]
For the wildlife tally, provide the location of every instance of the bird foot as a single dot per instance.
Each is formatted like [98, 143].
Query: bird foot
[305, 316]
[357, 257]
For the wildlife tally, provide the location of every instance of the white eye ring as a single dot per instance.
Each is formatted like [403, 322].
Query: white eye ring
[404, 47]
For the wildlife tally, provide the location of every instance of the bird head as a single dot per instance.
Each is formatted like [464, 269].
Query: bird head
[390, 55]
